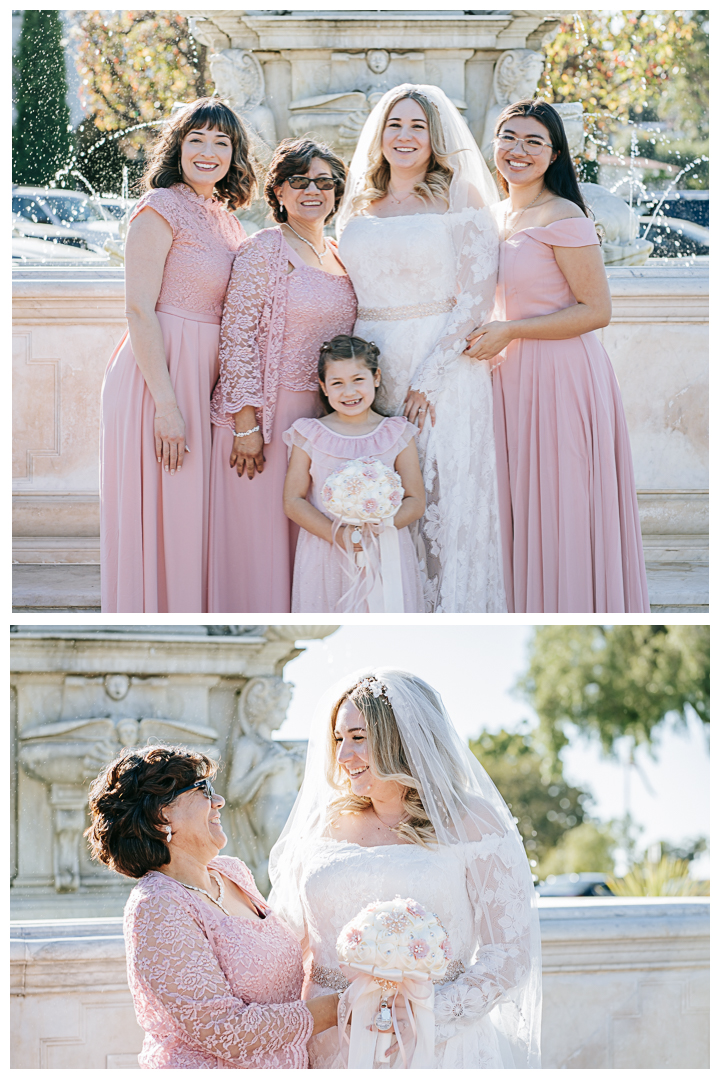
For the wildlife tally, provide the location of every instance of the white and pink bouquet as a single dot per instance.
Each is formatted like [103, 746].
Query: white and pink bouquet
[365, 492]
[394, 947]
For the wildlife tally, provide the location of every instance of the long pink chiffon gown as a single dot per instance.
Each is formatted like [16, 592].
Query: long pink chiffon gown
[153, 525]
[213, 991]
[320, 580]
[568, 506]
[252, 542]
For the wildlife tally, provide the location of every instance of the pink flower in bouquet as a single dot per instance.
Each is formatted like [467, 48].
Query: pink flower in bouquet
[415, 909]
[446, 948]
[395, 498]
[370, 506]
[418, 948]
[327, 493]
[370, 470]
[354, 486]
[354, 936]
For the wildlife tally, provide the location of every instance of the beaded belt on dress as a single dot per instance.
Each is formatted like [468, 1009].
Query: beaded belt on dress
[333, 979]
[412, 311]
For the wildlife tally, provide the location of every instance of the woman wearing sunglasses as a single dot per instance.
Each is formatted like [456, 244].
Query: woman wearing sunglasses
[288, 293]
[569, 513]
[215, 976]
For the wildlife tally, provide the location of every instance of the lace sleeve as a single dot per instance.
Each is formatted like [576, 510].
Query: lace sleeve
[171, 959]
[241, 376]
[476, 243]
[497, 885]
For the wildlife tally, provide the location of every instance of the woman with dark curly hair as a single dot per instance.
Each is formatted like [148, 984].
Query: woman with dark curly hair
[155, 432]
[288, 294]
[215, 976]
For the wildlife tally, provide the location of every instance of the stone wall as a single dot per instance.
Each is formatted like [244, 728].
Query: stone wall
[80, 694]
[625, 986]
[65, 324]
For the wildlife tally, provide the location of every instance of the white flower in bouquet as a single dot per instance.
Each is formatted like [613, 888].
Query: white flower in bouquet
[363, 490]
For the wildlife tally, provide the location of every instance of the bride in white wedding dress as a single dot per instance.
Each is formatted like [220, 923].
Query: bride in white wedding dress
[393, 804]
[421, 248]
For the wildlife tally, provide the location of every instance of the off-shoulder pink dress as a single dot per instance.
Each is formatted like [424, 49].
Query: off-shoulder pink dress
[320, 580]
[568, 506]
[213, 991]
[154, 526]
[273, 326]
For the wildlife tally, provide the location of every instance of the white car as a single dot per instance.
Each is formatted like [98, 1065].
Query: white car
[72, 211]
[33, 249]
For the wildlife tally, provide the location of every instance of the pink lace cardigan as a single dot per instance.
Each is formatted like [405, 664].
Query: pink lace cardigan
[273, 325]
[213, 991]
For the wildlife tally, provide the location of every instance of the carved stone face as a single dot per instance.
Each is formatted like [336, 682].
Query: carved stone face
[377, 60]
[117, 686]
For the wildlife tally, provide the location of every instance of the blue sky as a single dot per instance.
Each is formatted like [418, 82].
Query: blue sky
[474, 668]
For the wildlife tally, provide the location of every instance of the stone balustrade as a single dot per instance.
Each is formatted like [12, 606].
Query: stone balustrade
[625, 986]
[66, 323]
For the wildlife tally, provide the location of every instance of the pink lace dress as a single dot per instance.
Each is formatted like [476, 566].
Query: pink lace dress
[213, 991]
[568, 507]
[154, 526]
[273, 326]
[320, 580]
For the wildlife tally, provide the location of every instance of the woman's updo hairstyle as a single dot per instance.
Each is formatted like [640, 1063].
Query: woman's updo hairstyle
[293, 157]
[560, 177]
[127, 831]
[237, 187]
[346, 347]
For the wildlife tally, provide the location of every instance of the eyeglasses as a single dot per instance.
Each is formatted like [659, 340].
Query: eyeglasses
[531, 145]
[203, 785]
[322, 183]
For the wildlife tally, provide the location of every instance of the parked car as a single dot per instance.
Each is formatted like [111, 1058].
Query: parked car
[33, 249]
[57, 235]
[69, 210]
[586, 884]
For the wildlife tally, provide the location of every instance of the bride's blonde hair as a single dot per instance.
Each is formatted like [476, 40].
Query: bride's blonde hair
[388, 762]
[436, 182]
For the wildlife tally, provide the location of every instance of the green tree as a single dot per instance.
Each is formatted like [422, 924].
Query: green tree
[614, 681]
[545, 806]
[41, 137]
[631, 66]
[134, 65]
[585, 849]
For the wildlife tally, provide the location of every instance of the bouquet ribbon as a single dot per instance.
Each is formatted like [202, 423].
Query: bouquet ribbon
[362, 999]
[382, 568]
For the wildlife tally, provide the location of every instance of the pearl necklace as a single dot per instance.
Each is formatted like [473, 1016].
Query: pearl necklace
[317, 253]
[514, 228]
[221, 887]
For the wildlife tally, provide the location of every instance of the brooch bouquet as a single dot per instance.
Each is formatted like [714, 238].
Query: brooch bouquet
[392, 949]
[365, 492]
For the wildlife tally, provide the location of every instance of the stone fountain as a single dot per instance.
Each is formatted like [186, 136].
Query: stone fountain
[81, 693]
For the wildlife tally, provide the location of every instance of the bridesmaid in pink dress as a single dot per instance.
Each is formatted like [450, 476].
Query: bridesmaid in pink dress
[155, 429]
[288, 293]
[215, 976]
[569, 513]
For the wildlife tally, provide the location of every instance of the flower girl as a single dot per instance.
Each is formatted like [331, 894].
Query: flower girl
[353, 486]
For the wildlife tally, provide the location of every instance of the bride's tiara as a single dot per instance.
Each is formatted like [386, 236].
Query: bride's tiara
[374, 686]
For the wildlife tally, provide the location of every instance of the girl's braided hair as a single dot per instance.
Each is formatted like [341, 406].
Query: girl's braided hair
[346, 347]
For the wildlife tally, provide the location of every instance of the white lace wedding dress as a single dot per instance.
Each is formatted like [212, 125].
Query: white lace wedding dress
[424, 281]
[338, 879]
